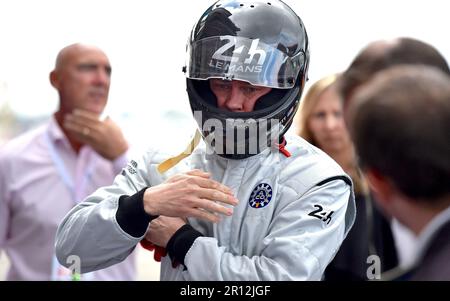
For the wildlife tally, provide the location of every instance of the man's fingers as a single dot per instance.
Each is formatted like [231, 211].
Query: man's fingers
[84, 134]
[86, 115]
[212, 206]
[199, 173]
[205, 215]
[201, 179]
[216, 195]
[82, 120]
[211, 184]
[189, 176]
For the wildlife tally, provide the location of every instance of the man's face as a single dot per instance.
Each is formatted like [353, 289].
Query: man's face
[236, 96]
[83, 80]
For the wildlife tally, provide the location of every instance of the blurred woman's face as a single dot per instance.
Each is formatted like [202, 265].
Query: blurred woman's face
[326, 122]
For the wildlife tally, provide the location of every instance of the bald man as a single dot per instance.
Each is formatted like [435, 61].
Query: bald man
[47, 171]
[82, 77]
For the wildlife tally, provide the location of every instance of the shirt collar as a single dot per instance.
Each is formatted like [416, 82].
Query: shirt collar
[430, 230]
[55, 131]
[57, 135]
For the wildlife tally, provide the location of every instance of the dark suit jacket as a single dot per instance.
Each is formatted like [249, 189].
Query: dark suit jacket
[370, 228]
[435, 264]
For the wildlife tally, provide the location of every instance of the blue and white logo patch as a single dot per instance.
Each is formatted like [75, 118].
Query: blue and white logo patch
[261, 196]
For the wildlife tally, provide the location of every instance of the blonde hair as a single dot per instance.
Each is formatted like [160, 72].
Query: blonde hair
[308, 103]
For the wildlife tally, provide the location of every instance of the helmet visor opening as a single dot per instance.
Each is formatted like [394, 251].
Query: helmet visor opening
[238, 58]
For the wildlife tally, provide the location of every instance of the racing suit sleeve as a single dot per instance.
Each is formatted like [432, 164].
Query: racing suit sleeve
[298, 246]
[105, 228]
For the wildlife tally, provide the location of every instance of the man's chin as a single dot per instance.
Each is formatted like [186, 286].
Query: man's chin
[95, 109]
[96, 104]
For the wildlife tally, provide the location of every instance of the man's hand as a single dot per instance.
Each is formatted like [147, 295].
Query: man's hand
[105, 137]
[192, 194]
[162, 229]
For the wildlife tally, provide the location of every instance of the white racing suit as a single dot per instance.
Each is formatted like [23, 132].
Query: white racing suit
[293, 214]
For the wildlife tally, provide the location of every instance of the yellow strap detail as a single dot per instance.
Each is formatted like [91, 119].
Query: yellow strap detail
[171, 162]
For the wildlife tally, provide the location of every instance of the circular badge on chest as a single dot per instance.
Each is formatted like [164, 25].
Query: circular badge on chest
[261, 196]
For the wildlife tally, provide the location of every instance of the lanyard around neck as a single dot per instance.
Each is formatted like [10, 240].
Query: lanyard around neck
[59, 272]
[64, 173]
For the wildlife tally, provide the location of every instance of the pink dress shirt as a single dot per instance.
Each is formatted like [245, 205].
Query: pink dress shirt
[35, 197]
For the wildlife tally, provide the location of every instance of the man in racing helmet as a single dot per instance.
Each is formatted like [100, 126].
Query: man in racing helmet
[246, 67]
[259, 44]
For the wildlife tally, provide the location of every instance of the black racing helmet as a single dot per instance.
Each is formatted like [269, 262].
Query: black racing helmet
[261, 42]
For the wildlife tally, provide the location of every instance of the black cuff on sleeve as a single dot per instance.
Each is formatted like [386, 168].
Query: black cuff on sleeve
[180, 242]
[131, 215]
